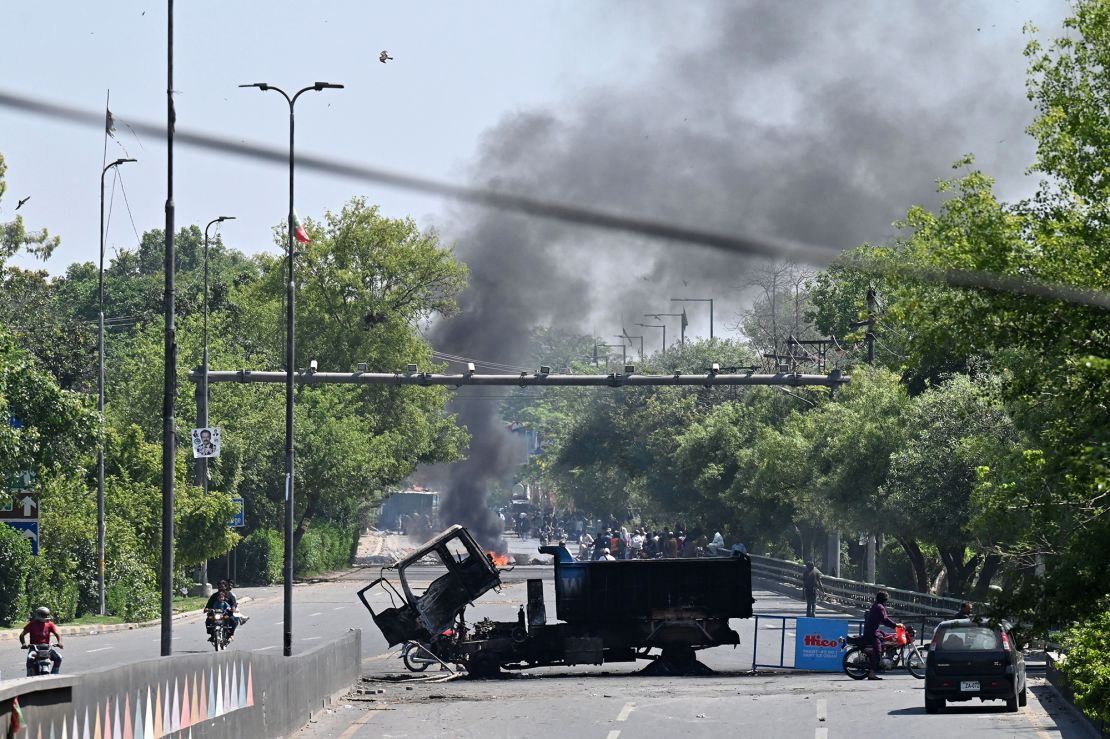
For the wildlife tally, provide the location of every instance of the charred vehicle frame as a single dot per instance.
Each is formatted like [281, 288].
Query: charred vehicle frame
[607, 611]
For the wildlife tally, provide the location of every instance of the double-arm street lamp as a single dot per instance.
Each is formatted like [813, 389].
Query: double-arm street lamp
[289, 364]
[202, 388]
[100, 522]
[657, 325]
[699, 300]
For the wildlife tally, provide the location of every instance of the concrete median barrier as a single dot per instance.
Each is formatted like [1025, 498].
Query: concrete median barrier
[230, 694]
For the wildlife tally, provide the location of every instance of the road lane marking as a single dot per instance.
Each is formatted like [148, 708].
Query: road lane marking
[318, 613]
[263, 649]
[311, 638]
[623, 715]
[278, 623]
[614, 734]
[101, 649]
[821, 733]
[822, 709]
[353, 728]
[340, 608]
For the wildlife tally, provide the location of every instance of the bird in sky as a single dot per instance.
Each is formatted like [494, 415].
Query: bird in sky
[384, 57]
[21, 202]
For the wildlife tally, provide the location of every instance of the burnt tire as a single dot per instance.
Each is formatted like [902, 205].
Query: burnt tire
[856, 663]
[1023, 697]
[1012, 704]
[934, 705]
[483, 665]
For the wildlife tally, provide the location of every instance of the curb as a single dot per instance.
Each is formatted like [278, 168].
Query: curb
[10, 634]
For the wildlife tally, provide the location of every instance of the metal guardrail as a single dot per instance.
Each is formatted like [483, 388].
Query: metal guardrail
[906, 605]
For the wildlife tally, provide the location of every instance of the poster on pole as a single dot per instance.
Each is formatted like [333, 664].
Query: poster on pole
[206, 443]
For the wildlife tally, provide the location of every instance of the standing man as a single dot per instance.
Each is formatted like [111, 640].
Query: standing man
[876, 617]
[811, 583]
[965, 610]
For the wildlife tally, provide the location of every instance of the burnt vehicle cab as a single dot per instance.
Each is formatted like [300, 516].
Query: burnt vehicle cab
[605, 611]
[972, 658]
[420, 617]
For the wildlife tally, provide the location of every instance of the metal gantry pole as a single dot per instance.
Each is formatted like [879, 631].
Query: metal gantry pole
[537, 379]
[101, 526]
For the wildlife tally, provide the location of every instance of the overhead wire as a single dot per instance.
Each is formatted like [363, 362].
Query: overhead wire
[760, 246]
[478, 362]
[138, 239]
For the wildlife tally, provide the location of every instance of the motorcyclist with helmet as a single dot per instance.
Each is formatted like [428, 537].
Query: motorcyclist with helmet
[39, 630]
[232, 606]
[876, 617]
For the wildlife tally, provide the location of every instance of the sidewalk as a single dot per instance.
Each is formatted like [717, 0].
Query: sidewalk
[91, 629]
[9, 634]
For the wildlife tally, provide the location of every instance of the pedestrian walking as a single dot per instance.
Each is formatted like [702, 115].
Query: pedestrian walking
[811, 585]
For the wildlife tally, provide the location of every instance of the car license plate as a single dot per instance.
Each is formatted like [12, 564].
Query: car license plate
[968, 685]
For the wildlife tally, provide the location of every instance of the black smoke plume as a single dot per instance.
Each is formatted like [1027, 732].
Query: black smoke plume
[821, 122]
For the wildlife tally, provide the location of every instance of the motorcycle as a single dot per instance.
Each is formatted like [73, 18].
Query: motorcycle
[219, 629]
[38, 660]
[898, 650]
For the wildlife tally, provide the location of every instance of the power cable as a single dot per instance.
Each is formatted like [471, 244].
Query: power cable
[111, 202]
[775, 248]
[478, 362]
[138, 239]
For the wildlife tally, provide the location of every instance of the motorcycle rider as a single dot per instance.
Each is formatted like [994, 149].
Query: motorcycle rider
[219, 602]
[237, 619]
[876, 616]
[39, 630]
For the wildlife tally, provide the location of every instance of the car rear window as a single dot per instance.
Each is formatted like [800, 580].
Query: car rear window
[969, 639]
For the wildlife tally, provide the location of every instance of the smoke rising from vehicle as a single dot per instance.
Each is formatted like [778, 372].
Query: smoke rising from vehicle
[818, 122]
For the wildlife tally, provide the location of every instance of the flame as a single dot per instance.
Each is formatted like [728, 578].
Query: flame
[499, 560]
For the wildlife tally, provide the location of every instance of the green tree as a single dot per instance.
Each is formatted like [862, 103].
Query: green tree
[14, 236]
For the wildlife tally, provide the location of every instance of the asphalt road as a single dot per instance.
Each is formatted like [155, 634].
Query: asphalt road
[610, 701]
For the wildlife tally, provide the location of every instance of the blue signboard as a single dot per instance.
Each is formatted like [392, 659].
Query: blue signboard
[239, 518]
[29, 530]
[817, 644]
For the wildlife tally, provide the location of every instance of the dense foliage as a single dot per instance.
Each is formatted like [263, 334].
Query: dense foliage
[368, 284]
[975, 447]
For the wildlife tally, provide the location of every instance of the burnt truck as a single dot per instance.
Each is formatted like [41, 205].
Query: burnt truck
[605, 611]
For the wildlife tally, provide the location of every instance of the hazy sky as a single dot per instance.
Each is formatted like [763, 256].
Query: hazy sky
[731, 114]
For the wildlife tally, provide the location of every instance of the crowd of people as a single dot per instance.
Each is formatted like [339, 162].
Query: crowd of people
[613, 541]
[647, 543]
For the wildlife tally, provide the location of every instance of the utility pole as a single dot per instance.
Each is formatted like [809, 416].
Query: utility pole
[169, 439]
[869, 337]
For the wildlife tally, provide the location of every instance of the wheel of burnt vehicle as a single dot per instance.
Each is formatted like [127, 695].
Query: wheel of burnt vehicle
[483, 665]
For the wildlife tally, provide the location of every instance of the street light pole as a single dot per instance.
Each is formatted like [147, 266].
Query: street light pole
[657, 325]
[202, 390]
[661, 316]
[287, 648]
[630, 338]
[100, 521]
[699, 300]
